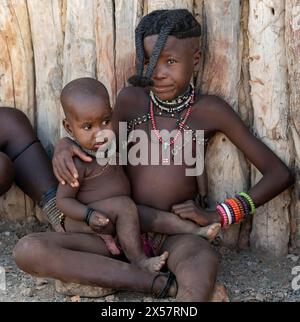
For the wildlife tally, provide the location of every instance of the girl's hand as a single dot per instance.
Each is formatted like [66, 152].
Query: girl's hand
[63, 165]
[189, 210]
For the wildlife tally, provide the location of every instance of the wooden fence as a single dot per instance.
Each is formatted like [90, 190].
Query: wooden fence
[250, 57]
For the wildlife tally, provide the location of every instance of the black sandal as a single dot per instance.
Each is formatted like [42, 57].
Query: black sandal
[165, 290]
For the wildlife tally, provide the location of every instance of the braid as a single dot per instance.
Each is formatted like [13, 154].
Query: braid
[179, 23]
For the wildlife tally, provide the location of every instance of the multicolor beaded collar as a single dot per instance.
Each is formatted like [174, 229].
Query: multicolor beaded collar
[178, 104]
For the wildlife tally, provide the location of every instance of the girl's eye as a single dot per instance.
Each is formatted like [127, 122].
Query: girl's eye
[171, 61]
[87, 127]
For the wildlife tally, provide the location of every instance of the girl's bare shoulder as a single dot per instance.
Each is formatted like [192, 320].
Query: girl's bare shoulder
[210, 110]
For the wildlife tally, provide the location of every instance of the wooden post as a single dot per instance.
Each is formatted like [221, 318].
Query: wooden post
[47, 40]
[105, 46]
[127, 16]
[226, 166]
[80, 44]
[268, 73]
[292, 36]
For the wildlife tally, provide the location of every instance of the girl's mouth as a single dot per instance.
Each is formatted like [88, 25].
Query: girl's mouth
[162, 89]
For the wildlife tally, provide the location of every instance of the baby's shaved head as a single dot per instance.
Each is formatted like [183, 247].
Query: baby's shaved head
[79, 89]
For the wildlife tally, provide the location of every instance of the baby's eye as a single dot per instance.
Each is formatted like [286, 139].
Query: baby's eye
[171, 61]
[106, 122]
[87, 127]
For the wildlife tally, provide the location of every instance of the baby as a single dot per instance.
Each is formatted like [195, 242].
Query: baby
[102, 199]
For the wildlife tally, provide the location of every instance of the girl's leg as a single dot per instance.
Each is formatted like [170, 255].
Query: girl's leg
[195, 264]
[32, 167]
[6, 173]
[158, 221]
[84, 259]
[122, 212]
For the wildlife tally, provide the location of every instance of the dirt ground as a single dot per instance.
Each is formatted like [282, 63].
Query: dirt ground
[247, 276]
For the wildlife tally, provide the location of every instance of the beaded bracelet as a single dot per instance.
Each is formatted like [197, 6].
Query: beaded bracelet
[88, 215]
[222, 214]
[233, 210]
[244, 204]
[250, 201]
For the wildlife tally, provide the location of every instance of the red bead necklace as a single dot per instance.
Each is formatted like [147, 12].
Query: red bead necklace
[180, 125]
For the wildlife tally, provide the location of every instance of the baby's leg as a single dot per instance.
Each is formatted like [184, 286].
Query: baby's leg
[123, 213]
[158, 221]
[6, 173]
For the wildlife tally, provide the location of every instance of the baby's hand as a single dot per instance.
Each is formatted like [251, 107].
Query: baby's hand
[98, 221]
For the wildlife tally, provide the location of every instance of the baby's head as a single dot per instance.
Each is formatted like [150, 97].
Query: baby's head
[167, 46]
[85, 102]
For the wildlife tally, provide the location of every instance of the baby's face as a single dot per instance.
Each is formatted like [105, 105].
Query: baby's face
[91, 116]
[175, 65]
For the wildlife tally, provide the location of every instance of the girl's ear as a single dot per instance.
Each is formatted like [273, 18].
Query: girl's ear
[67, 127]
[197, 56]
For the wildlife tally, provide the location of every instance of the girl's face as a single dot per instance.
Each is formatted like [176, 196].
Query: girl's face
[175, 65]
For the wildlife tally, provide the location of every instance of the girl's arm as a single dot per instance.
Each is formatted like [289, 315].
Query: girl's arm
[63, 165]
[276, 175]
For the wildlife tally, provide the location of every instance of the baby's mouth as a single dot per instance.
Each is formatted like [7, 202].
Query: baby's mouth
[100, 144]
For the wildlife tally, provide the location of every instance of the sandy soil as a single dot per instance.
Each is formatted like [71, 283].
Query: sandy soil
[247, 276]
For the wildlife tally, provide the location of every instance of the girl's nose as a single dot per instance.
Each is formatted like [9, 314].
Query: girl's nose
[159, 72]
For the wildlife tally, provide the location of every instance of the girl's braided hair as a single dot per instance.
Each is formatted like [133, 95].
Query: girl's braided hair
[179, 23]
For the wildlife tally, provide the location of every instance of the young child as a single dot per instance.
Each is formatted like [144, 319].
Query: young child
[167, 44]
[87, 109]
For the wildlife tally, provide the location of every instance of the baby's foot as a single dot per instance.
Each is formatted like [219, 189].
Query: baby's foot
[154, 264]
[209, 232]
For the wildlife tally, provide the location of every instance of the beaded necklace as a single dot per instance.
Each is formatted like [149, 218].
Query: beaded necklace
[181, 124]
[176, 105]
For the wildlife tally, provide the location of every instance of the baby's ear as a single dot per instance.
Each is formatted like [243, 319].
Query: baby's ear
[67, 127]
